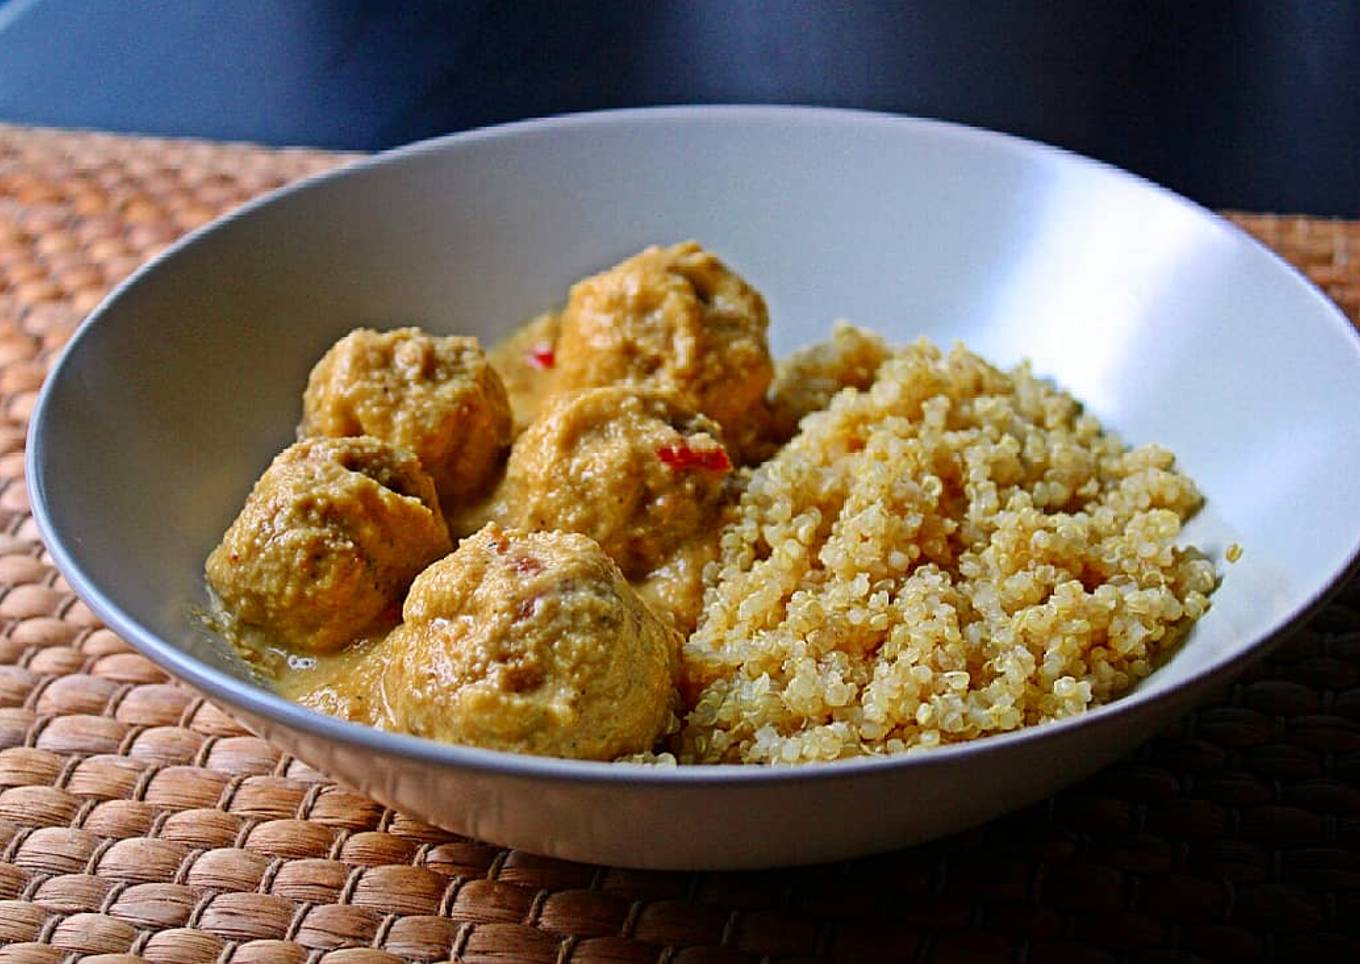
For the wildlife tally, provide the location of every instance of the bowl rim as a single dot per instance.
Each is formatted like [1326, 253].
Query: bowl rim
[259, 702]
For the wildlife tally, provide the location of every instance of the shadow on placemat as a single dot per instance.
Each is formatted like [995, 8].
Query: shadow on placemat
[135, 818]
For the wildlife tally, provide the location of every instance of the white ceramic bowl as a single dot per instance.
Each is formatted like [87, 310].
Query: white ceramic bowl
[1172, 325]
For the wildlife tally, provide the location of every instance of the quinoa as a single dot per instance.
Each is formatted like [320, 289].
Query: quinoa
[950, 552]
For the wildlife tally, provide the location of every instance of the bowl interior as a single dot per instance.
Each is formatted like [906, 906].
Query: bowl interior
[1169, 324]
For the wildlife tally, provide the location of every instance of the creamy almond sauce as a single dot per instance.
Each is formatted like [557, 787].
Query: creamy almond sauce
[526, 361]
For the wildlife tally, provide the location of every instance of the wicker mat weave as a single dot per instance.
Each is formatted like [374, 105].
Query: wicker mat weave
[138, 820]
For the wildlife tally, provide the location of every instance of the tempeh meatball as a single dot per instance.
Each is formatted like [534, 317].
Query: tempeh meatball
[329, 538]
[633, 470]
[677, 320]
[438, 397]
[531, 643]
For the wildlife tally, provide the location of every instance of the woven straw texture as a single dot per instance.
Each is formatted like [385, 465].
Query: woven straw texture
[139, 821]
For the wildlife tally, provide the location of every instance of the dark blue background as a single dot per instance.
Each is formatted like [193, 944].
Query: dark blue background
[1252, 104]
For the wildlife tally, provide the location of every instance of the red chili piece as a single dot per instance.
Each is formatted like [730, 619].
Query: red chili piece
[682, 457]
[527, 565]
[542, 356]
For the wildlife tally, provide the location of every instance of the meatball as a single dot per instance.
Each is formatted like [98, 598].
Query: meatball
[633, 470]
[674, 319]
[532, 643]
[438, 397]
[330, 537]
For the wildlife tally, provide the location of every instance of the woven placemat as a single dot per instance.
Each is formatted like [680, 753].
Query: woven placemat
[137, 820]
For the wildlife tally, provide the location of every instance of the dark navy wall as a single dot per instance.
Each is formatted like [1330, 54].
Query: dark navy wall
[1244, 103]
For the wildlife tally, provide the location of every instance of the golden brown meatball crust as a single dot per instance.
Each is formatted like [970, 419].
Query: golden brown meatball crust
[633, 470]
[677, 320]
[438, 397]
[531, 643]
[329, 538]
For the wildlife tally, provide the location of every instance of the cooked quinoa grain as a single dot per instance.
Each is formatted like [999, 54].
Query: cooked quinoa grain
[951, 552]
